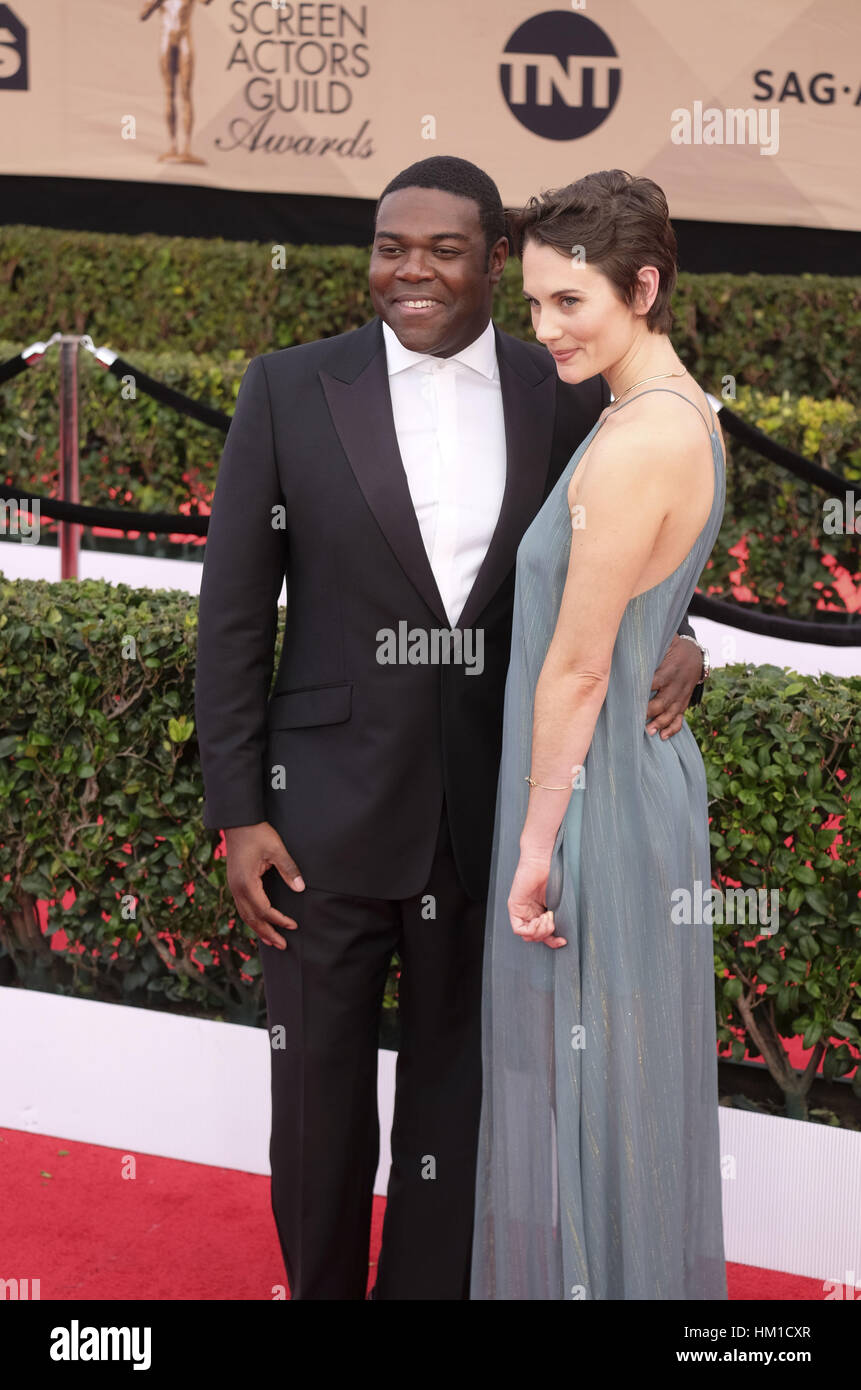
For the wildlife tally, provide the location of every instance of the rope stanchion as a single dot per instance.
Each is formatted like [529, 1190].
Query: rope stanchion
[14, 366]
[120, 367]
[777, 453]
[746, 618]
[166, 395]
[160, 523]
[70, 532]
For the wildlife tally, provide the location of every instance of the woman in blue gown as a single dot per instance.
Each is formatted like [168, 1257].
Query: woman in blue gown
[598, 1173]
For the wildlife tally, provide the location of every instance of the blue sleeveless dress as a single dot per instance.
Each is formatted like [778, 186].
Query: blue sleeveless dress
[598, 1170]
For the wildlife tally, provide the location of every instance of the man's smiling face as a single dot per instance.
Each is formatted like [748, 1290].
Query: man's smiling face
[430, 276]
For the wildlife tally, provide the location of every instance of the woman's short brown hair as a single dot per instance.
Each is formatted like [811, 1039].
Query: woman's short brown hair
[621, 223]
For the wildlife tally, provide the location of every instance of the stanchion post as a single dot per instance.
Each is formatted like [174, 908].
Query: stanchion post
[70, 531]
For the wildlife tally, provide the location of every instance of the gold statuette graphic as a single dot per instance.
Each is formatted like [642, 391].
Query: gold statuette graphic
[176, 64]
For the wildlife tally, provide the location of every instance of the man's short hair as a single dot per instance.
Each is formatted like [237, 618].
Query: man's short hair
[458, 176]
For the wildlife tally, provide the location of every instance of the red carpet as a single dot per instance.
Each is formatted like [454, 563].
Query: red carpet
[176, 1230]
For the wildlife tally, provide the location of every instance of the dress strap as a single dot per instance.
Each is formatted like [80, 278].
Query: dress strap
[671, 392]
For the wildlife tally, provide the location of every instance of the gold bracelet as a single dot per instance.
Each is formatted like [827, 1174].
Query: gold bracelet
[546, 788]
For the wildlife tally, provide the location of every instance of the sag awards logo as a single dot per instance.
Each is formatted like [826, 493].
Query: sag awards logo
[13, 52]
[176, 67]
[560, 75]
[302, 68]
[295, 63]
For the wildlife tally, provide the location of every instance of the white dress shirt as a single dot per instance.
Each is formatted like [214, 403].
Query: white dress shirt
[451, 435]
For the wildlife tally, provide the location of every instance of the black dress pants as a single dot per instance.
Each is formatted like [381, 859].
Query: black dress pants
[324, 995]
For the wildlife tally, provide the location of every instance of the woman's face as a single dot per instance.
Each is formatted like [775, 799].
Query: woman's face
[577, 313]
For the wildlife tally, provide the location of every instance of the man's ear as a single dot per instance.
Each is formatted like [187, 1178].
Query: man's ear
[496, 259]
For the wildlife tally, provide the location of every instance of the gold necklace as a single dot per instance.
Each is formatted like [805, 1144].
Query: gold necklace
[646, 379]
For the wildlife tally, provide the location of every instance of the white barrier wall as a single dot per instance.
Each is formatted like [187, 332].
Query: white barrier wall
[146, 1080]
[18, 561]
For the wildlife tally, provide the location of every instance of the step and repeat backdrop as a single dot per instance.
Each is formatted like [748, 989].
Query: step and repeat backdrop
[743, 112]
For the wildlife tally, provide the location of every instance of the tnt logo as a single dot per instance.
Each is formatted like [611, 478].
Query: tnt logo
[13, 52]
[559, 76]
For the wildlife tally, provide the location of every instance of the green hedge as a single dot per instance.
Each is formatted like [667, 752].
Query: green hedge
[100, 793]
[143, 455]
[781, 755]
[135, 293]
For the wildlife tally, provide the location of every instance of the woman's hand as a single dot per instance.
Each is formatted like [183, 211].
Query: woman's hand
[527, 909]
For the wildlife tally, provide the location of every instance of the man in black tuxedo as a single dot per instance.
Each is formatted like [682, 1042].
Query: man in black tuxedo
[389, 473]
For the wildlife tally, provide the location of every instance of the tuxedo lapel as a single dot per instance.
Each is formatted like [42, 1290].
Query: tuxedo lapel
[360, 403]
[356, 386]
[528, 403]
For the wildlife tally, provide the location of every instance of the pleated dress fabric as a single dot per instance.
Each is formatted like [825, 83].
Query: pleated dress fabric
[598, 1170]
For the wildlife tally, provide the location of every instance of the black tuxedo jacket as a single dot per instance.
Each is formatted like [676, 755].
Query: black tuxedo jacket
[350, 758]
